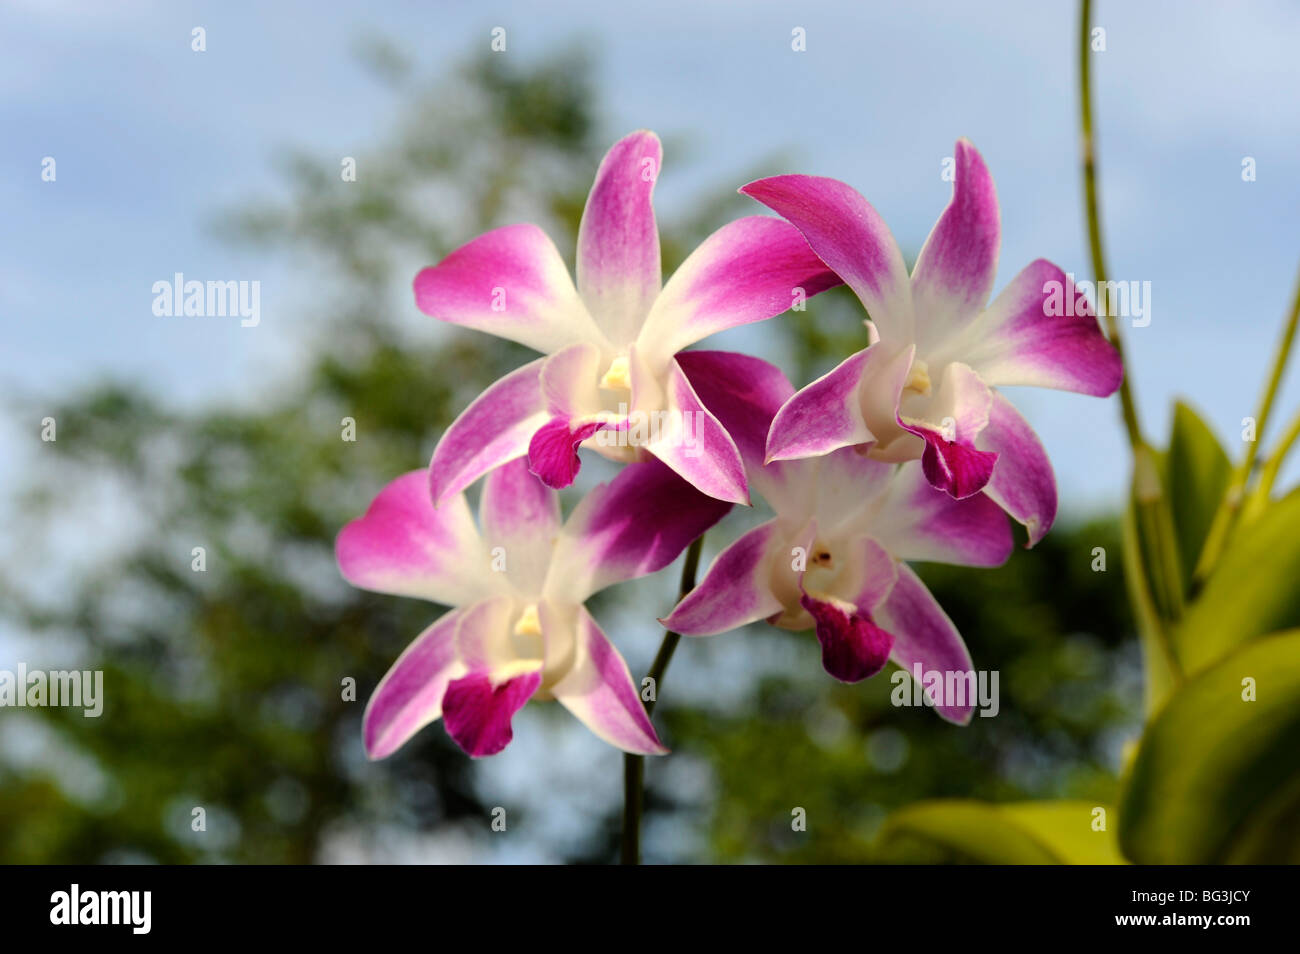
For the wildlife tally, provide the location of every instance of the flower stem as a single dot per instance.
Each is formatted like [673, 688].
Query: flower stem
[1127, 403]
[634, 765]
[1275, 460]
[1225, 517]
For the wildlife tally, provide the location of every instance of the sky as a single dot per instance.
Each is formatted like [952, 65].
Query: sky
[151, 139]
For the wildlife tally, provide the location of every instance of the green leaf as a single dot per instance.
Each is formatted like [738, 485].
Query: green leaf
[1197, 472]
[1215, 778]
[1252, 591]
[1020, 833]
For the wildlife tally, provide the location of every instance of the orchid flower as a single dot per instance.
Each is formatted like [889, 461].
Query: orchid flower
[518, 629]
[926, 385]
[833, 556]
[609, 380]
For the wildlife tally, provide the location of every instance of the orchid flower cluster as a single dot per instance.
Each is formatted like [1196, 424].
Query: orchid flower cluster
[906, 451]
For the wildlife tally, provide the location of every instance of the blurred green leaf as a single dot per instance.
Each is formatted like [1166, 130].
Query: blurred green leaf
[1252, 591]
[1215, 779]
[1197, 470]
[1022, 833]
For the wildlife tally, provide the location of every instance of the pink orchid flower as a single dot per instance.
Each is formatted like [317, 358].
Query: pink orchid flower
[833, 556]
[926, 385]
[609, 380]
[518, 630]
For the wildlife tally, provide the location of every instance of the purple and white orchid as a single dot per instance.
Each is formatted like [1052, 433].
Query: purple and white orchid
[609, 380]
[926, 385]
[833, 556]
[518, 629]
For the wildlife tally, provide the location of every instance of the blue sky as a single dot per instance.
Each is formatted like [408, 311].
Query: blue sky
[152, 138]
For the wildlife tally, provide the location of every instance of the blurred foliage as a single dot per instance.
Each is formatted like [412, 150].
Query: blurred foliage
[223, 687]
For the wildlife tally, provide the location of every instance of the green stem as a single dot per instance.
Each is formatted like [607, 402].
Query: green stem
[634, 765]
[1268, 475]
[1225, 517]
[1127, 403]
[1151, 518]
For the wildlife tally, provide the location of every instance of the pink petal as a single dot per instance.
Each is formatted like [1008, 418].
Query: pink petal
[1019, 341]
[409, 696]
[827, 414]
[747, 271]
[695, 445]
[618, 241]
[953, 467]
[405, 547]
[521, 516]
[953, 421]
[635, 525]
[954, 272]
[477, 712]
[850, 237]
[853, 647]
[743, 393]
[512, 283]
[569, 381]
[1022, 483]
[736, 590]
[553, 450]
[924, 634]
[918, 522]
[599, 690]
[495, 429]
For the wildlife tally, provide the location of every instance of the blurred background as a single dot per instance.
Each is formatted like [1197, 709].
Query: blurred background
[222, 688]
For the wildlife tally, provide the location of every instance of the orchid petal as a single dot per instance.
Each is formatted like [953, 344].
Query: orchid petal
[477, 711]
[924, 634]
[409, 696]
[521, 517]
[618, 240]
[736, 590]
[1022, 483]
[634, 525]
[553, 450]
[493, 430]
[747, 271]
[1024, 339]
[694, 444]
[850, 237]
[512, 283]
[917, 522]
[954, 272]
[952, 422]
[853, 646]
[497, 678]
[744, 393]
[599, 691]
[826, 415]
[406, 547]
